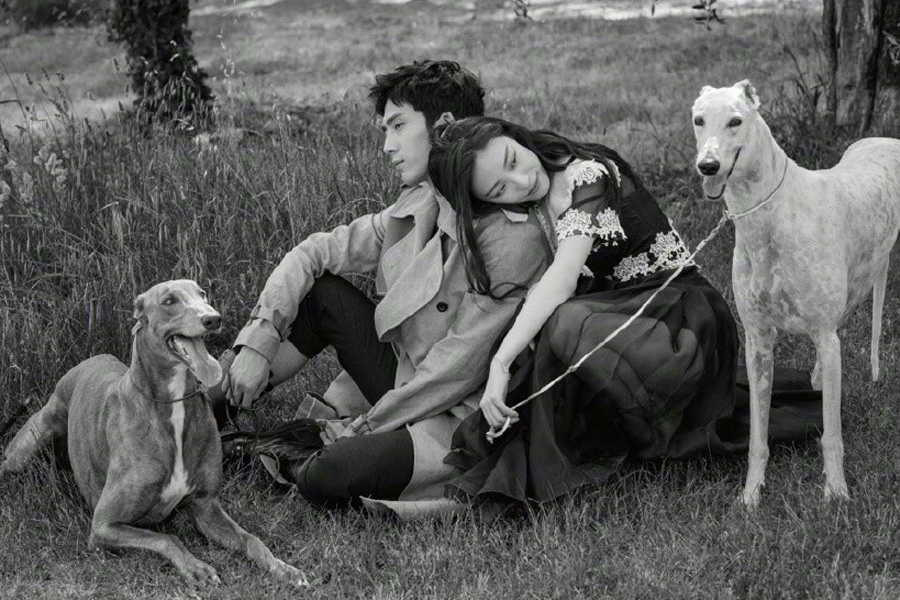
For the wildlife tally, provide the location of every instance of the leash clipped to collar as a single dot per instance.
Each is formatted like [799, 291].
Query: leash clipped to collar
[493, 434]
[731, 216]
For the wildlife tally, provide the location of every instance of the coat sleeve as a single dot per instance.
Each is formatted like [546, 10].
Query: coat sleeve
[457, 365]
[352, 248]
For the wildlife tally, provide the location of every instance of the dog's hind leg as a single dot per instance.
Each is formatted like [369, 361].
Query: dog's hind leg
[760, 368]
[877, 310]
[48, 423]
[828, 346]
[815, 377]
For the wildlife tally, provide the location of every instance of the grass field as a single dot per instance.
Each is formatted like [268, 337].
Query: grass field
[132, 210]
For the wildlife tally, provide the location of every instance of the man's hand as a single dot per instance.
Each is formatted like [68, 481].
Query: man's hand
[247, 377]
[338, 429]
[333, 430]
[493, 401]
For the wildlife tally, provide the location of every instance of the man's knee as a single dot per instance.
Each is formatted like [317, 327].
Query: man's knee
[327, 287]
[326, 480]
[376, 465]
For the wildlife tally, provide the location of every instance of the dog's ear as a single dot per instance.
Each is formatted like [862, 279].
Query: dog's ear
[139, 315]
[706, 88]
[749, 91]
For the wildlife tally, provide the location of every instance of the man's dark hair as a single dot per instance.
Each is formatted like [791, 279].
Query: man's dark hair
[431, 87]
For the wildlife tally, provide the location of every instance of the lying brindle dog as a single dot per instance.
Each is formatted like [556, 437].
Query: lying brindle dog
[142, 439]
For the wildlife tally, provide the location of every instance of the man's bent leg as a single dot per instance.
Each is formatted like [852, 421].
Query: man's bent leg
[287, 362]
[337, 314]
[376, 465]
[334, 313]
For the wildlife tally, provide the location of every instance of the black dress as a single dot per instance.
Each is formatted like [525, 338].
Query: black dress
[666, 386]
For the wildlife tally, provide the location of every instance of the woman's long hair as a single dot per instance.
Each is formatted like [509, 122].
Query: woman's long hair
[451, 164]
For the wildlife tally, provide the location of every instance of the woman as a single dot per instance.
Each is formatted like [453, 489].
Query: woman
[663, 387]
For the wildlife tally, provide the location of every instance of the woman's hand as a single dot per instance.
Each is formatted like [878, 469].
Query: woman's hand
[493, 402]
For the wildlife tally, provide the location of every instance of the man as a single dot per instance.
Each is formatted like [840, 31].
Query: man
[421, 354]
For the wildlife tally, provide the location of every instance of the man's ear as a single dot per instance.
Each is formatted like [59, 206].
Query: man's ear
[139, 314]
[446, 117]
[749, 92]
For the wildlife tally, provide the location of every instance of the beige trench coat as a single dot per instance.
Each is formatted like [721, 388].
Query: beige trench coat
[441, 332]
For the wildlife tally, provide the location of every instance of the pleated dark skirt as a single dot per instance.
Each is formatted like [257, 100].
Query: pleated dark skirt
[666, 386]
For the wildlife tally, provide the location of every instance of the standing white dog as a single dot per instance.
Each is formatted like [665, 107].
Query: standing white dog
[809, 247]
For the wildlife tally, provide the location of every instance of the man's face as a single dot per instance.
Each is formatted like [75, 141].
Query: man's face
[406, 141]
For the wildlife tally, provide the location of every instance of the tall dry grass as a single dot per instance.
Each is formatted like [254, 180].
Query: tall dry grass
[119, 209]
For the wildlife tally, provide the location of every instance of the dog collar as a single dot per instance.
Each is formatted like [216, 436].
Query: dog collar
[734, 217]
[198, 391]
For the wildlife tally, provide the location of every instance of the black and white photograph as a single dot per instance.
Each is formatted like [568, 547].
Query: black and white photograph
[449, 299]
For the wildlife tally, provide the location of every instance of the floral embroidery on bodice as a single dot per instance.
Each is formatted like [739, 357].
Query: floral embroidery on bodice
[586, 172]
[667, 252]
[603, 224]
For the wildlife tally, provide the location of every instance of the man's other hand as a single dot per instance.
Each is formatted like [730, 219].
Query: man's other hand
[247, 377]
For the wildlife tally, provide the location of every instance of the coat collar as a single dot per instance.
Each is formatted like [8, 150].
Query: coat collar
[416, 202]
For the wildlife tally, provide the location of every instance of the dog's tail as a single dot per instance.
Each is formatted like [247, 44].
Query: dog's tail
[877, 309]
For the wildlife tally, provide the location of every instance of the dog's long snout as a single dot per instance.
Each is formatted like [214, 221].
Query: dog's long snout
[708, 166]
[212, 322]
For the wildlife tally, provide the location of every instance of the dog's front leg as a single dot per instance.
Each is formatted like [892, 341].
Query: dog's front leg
[215, 524]
[828, 347]
[119, 506]
[760, 341]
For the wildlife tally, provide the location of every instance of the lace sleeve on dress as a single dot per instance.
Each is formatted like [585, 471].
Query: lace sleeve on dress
[592, 216]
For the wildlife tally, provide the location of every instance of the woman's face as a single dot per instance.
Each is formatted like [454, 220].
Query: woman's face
[508, 173]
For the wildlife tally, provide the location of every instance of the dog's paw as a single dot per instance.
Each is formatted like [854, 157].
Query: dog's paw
[751, 496]
[197, 572]
[8, 467]
[836, 491]
[289, 574]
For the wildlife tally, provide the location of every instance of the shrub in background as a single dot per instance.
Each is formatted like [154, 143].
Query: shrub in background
[170, 85]
[33, 14]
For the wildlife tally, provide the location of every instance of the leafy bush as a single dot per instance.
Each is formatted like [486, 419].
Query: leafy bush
[170, 85]
[33, 14]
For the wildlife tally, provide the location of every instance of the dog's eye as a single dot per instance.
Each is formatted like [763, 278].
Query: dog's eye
[698, 121]
[170, 301]
[735, 122]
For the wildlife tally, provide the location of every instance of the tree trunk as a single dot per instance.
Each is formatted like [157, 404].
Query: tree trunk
[887, 99]
[170, 85]
[864, 87]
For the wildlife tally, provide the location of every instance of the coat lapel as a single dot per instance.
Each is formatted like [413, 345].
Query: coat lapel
[413, 268]
[413, 288]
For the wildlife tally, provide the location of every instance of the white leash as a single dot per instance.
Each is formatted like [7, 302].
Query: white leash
[494, 434]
